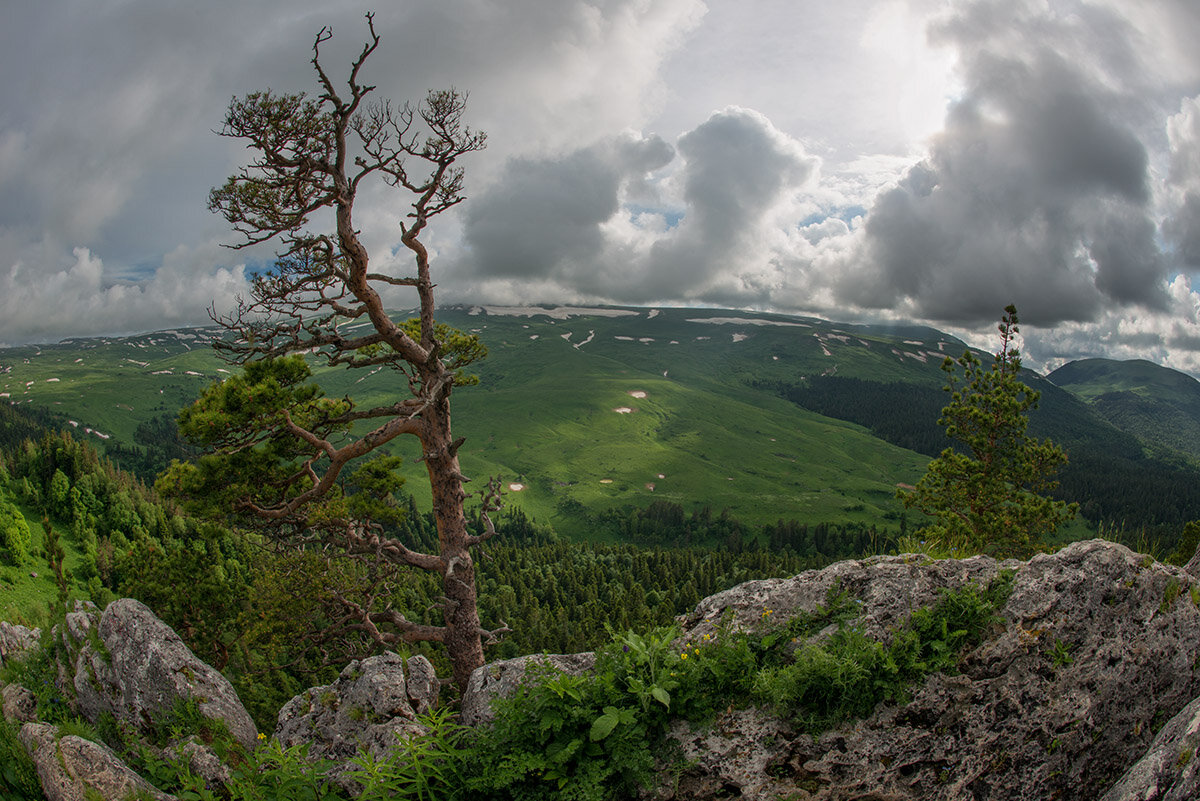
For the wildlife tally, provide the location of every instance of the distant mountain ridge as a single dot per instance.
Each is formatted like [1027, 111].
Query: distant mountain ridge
[1158, 405]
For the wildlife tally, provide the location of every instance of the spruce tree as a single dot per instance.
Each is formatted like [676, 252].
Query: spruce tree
[989, 493]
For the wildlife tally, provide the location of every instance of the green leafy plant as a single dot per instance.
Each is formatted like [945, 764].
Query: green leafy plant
[848, 674]
[1060, 653]
[428, 766]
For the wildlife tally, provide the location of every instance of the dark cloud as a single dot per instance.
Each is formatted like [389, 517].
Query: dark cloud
[543, 217]
[1182, 339]
[550, 219]
[1037, 191]
[1184, 230]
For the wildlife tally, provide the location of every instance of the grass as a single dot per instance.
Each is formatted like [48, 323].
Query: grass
[543, 412]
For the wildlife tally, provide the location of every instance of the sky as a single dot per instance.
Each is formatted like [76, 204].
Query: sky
[864, 160]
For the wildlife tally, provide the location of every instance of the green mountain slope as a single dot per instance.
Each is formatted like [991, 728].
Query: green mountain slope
[1160, 406]
[583, 412]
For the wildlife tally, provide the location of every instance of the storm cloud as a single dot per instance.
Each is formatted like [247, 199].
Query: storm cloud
[1037, 192]
[877, 160]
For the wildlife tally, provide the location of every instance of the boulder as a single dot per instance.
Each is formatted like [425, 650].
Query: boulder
[71, 768]
[370, 704]
[501, 680]
[16, 640]
[1170, 769]
[1096, 650]
[19, 704]
[136, 667]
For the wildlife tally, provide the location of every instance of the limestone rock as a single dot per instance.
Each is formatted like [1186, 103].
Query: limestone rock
[369, 705]
[19, 704]
[140, 667]
[16, 640]
[73, 769]
[1097, 647]
[1170, 770]
[501, 679]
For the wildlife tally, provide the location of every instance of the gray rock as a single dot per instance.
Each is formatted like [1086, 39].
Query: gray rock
[501, 679]
[200, 759]
[370, 704]
[19, 704]
[139, 667]
[1097, 648]
[16, 641]
[73, 769]
[888, 589]
[1170, 770]
[735, 753]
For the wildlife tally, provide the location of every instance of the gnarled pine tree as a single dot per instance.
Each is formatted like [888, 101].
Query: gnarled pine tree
[277, 449]
[989, 496]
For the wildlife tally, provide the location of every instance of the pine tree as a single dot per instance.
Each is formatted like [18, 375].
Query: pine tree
[989, 494]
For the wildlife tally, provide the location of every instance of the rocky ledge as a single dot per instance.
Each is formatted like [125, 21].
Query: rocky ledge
[1086, 688]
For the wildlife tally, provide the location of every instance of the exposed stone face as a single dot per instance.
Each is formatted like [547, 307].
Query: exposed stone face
[1170, 770]
[19, 704]
[16, 640]
[370, 704]
[71, 768]
[888, 589]
[1094, 652]
[143, 667]
[501, 679]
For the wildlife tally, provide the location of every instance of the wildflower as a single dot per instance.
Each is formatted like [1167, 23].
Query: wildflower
[683, 655]
[697, 652]
[262, 736]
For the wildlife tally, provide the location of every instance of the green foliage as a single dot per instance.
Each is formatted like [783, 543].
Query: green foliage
[1060, 653]
[1189, 540]
[848, 674]
[428, 767]
[242, 422]
[18, 777]
[37, 672]
[575, 737]
[15, 537]
[594, 736]
[458, 348]
[271, 773]
[990, 494]
[184, 719]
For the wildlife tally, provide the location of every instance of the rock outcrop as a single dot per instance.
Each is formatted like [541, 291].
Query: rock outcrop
[1170, 770]
[1086, 688]
[1097, 650]
[501, 679]
[136, 668]
[71, 768]
[370, 704]
[16, 640]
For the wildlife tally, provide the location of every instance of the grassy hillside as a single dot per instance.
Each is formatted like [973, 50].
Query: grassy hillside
[1159, 406]
[584, 411]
